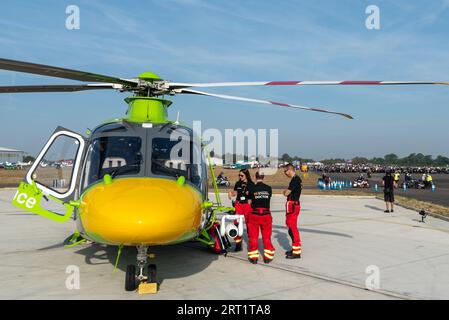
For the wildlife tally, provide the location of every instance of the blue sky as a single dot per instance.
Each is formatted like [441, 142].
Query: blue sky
[208, 41]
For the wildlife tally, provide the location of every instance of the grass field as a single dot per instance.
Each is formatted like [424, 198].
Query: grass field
[279, 182]
[11, 178]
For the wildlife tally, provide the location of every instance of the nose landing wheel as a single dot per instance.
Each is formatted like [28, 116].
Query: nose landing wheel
[144, 282]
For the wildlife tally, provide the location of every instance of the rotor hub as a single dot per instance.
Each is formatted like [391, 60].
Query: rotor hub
[147, 109]
[149, 76]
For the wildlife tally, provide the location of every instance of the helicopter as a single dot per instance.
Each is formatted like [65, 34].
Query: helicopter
[121, 184]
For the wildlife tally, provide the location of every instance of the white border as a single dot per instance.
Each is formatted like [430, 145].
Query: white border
[75, 169]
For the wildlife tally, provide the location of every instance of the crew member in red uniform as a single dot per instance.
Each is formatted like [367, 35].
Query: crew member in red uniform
[260, 218]
[292, 209]
[241, 205]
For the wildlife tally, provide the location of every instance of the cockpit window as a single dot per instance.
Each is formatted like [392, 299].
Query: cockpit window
[168, 160]
[175, 159]
[113, 155]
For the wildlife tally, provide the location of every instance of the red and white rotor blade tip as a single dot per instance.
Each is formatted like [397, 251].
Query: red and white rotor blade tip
[179, 85]
[222, 96]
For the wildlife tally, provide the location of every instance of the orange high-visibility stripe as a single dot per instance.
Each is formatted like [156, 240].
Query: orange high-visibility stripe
[269, 251]
[269, 256]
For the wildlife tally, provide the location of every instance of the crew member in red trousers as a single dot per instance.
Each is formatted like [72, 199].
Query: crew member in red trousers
[292, 209]
[241, 205]
[260, 218]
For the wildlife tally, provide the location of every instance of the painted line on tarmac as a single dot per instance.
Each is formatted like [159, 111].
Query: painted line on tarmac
[328, 279]
[379, 220]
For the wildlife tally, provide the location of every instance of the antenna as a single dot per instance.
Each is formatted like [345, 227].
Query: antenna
[177, 118]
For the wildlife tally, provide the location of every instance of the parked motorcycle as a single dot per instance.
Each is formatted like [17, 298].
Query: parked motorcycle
[223, 182]
[360, 183]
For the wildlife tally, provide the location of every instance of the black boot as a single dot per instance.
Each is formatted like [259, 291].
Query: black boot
[267, 261]
[252, 261]
[238, 247]
[291, 255]
[288, 252]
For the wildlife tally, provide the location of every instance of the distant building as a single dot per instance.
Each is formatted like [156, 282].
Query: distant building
[10, 155]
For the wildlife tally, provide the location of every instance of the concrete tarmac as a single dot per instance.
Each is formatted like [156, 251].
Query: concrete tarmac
[347, 242]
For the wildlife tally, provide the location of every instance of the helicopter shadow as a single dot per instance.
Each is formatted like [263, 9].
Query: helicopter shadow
[172, 261]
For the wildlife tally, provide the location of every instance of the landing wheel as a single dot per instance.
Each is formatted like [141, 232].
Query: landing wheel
[130, 279]
[152, 273]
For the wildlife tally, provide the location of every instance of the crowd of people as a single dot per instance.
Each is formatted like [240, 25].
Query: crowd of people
[370, 168]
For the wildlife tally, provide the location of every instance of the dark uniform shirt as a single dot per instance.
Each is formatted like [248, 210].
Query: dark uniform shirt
[260, 196]
[295, 187]
[388, 183]
[242, 189]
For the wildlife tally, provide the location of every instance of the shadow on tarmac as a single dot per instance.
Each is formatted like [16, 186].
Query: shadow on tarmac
[173, 261]
[281, 236]
[374, 208]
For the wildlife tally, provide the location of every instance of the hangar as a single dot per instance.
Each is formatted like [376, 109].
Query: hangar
[10, 155]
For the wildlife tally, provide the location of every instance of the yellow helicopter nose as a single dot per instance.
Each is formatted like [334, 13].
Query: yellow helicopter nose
[141, 211]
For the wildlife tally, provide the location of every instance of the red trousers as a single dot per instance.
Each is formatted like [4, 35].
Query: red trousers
[215, 236]
[265, 224]
[242, 209]
[292, 209]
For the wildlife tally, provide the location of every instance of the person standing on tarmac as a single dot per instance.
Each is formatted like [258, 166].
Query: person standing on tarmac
[429, 181]
[260, 218]
[389, 185]
[241, 205]
[292, 209]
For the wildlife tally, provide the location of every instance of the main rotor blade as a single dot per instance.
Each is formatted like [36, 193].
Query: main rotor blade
[50, 71]
[180, 85]
[222, 96]
[58, 88]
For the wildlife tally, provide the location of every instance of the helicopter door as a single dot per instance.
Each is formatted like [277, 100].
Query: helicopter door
[53, 176]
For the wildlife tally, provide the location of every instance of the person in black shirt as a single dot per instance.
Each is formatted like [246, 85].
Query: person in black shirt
[292, 209]
[260, 218]
[241, 205]
[389, 185]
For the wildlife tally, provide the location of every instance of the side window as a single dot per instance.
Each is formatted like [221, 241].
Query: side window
[197, 172]
[204, 169]
[56, 167]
